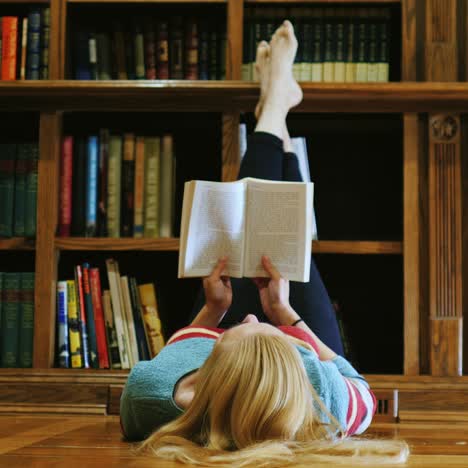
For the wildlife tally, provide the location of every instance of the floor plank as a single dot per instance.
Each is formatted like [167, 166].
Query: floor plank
[95, 441]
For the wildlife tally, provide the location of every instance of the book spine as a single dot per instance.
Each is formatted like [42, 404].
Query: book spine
[372, 67]
[113, 345]
[33, 58]
[317, 47]
[203, 51]
[91, 186]
[80, 157]
[139, 189]
[383, 73]
[45, 40]
[113, 186]
[130, 54]
[139, 53]
[26, 328]
[24, 47]
[104, 69]
[119, 49]
[74, 327]
[63, 351]
[10, 319]
[96, 294]
[176, 49]
[151, 202]
[92, 45]
[151, 320]
[143, 352]
[103, 161]
[150, 50]
[81, 49]
[66, 187]
[90, 321]
[31, 191]
[117, 306]
[350, 67]
[82, 315]
[128, 180]
[299, 28]
[191, 50]
[222, 51]
[362, 46]
[9, 40]
[308, 37]
[330, 50]
[166, 187]
[162, 50]
[247, 46]
[212, 53]
[22, 157]
[7, 187]
[341, 37]
[129, 323]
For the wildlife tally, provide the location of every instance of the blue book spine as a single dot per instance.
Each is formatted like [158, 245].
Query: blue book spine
[63, 349]
[91, 186]
[81, 53]
[33, 57]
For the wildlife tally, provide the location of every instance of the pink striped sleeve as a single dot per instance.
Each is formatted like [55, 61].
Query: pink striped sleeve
[362, 406]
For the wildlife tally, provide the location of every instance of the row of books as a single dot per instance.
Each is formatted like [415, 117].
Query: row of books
[113, 328]
[18, 189]
[16, 319]
[335, 45]
[117, 186]
[24, 45]
[151, 49]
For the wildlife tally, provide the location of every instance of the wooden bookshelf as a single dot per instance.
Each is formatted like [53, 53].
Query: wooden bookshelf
[427, 260]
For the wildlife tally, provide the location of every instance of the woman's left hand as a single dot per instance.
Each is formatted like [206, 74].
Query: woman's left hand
[218, 290]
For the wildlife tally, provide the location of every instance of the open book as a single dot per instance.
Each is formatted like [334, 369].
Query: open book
[245, 220]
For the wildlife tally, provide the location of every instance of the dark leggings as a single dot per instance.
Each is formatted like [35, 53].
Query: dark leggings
[265, 159]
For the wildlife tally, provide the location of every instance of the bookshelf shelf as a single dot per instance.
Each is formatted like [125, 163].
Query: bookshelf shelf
[334, 2]
[172, 244]
[148, 1]
[217, 96]
[17, 243]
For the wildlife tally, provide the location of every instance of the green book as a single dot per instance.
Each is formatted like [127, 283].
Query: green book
[26, 320]
[7, 188]
[152, 171]
[10, 314]
[22, 163]
[31, 191]
[114, 172]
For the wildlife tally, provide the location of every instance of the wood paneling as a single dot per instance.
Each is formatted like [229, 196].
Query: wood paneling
[445, 244]
[113, 400]
[235, 34]
[409, 41]
[17, 243]
[191, 96]
[231, 156]
[441, 40]
[387, 406]
[54, 42]
[46, 263]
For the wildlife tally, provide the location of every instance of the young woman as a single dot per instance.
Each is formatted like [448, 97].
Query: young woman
[269, 391]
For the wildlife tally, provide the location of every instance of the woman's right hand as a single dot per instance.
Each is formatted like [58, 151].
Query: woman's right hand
[274, 295]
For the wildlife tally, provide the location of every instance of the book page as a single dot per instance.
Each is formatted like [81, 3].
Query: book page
[215, 228]
[279, 225]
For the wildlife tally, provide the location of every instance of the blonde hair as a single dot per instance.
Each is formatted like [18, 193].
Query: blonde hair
[254, 403]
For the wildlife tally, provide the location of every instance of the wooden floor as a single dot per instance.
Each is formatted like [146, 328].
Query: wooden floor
[94, 441]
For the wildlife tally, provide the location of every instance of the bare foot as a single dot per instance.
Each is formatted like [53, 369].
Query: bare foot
[282, 86]
[262, 67]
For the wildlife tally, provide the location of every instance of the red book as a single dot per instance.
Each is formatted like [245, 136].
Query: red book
[162, 50]
[82, 315]
[66, 178]
[96, 294]
[9, 42]
[191, 50]
[150, 51]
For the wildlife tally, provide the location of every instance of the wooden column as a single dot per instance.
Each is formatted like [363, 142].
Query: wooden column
[445, 245]
[46, 254]
[445, 268]
[54, 41]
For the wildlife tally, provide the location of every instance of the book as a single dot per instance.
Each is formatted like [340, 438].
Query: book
[26, 321]
[91, 186]
[102, 184]
[74, 334]
[162, 50]
[24, 45]
[66, 185]
[143, 351]
[9, 49]
[45, 40]
[151, 201]
[113, 345]
[7, 188]
[82, 315]
[78, 224]
[176, 48]
[139, 187]
[151, 320]
[22, 157]
[10, 319]
[33, 57]
[30, 207]
[127, 184]
[90, 318]
[63, 350]
[114, 171]
[128, 320]
[167, 187]
[244, 220]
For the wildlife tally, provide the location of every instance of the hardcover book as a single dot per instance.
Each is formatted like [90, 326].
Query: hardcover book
[244, 220]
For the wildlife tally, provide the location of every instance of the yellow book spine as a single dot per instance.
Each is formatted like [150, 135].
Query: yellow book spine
[151, 320]
[73, 326]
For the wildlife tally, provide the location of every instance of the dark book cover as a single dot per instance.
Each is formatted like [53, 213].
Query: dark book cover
[92, 45]
[139, 54]
[21, 168]
[33, 57]
[213, 54]
[45, 40]
[11, 310]
[176, 49]
[82, 316]
[130, 55]
[162, 50]
[103, 45]
[203, 51]
[82, 69]
[31, 190]
[191, 50]
[150, 50]
[128, 178]
[7, 187]
[143, 352]
[26, 326]
[102, 182]
[78, 227]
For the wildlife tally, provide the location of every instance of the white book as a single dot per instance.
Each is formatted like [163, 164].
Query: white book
[300, 148]
[245, 220]
[129, 322]
[117, 307]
